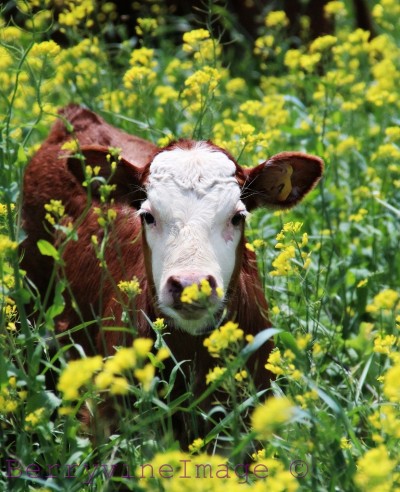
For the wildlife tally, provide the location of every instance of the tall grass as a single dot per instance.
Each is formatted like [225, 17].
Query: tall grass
[332, 417]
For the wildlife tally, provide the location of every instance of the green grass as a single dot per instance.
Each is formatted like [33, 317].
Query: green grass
[336, 404]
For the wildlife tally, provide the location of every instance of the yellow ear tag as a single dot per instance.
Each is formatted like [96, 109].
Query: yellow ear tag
[286, 183]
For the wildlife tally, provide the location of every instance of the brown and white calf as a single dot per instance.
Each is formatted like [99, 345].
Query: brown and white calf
[180, 214]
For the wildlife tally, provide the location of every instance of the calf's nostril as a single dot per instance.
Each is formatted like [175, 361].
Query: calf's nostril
[175, 286]
[211, 280]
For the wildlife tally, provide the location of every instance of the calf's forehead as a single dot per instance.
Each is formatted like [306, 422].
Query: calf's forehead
[183, 177]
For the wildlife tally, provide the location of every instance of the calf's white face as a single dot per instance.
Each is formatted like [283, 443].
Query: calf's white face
[193, 220]
[193, 211]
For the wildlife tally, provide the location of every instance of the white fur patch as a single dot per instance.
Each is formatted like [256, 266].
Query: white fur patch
[193, 195]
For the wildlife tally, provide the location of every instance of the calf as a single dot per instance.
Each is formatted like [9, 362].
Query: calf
[180, 214]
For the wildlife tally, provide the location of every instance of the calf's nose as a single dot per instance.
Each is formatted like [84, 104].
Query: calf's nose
[177, 283]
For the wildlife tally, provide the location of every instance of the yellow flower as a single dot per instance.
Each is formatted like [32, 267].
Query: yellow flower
[190, 294]
[56, 211]
[386, 419]
[375, 470]
[276, 18]
[34, 418]
[303, 341]
[124, 359]
[77, 374]
[205, 287]
[144, 57]
[197, 292]
[275, 362]
[196, 445]
[393, 133]
[76, 11]
[159, 324]
[214, 374]
[201, 83]
[6, 245]
[3, 208]
[72, 145]
[267, 417]
[309, 62]
[335, 8]
[236, 84]
[387, 151]
[282, 262]
[146, 25]
[145, 376]
[142, 346]
[163, 354]
[385, 300]
[130, 287]
[347, 144]
[45, 48]
[119, 386]
[192, 38]
[166, 94]
[221, 338]
[103, 380]
[293, 227]
[391, 384]
[384, 345]
[323, 43]
[240, 376]
[292, 59]
[138, 75]
[345, 443]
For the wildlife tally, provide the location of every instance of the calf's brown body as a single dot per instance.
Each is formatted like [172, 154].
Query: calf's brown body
[92, 291]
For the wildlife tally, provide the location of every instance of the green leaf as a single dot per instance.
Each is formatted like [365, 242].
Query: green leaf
[156, 363]
[289, 342]
[47, 249]
[21, 155]
[58, 302]
[259, 340]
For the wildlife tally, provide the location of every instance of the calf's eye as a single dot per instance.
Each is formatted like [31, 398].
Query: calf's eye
[148, 218]
[238, 218]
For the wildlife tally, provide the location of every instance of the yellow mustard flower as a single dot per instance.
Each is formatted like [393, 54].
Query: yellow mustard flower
[55, 211]
[145, 376]
[119, 386]
[222, 337]
[6, 245]
[146, 25]
[142, 346]
[34, 418]
[391, 385]
[214, 374]
[384, 345]
[276, 18]
[386, 300]
[196, 445]
[375, 470]
[45, 48]
[77, 374]
[130, 287]
[159, 324]
[267, 417]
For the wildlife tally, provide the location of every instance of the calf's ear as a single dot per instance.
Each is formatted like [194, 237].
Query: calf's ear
[281, 181]
[127, 178]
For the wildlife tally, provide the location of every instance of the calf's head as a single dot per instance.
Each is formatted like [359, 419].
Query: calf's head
[193, 199]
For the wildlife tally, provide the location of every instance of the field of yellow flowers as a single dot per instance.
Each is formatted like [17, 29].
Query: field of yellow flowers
[331, 267]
